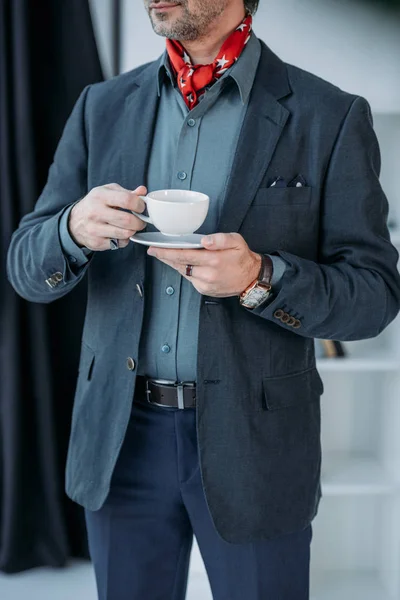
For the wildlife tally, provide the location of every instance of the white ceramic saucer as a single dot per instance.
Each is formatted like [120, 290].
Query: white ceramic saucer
[159, 240]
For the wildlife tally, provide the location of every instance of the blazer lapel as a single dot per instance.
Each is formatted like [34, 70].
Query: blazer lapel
[137, 128]
[140, 113]
[263, 125]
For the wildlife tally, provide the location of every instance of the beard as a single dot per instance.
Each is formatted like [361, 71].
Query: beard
[192, 24]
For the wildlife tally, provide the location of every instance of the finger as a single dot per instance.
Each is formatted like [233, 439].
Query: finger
[122, 218]
[123, 199]
[222, 241]
[109, 231]
[98, 244]
[115, 187]
[181, 269]
[121, 243]
[140, 191]
[138, 204]
[183, 257]
[201, 274]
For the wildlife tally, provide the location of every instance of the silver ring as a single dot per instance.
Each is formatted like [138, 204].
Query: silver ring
[114, 244]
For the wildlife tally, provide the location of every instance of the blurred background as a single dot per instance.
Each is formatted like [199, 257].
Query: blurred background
[49, 51]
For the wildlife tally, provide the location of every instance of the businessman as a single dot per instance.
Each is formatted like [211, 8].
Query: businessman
[197, 407]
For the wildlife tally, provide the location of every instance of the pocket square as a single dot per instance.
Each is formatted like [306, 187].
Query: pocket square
[279, 182]
[298, 181]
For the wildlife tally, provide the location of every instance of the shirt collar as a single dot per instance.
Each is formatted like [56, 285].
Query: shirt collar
[164, 71]
[243, 72]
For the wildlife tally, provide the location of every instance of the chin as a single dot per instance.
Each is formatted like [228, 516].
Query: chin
[163, 28]
[161, 22]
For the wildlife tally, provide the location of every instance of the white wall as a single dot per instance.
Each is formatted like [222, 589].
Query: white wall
[352, 46]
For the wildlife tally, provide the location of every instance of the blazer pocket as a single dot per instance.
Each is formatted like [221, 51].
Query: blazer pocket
[86, 362]
[288, 196]
[292, 390]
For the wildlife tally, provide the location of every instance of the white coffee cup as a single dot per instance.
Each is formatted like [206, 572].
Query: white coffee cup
[175, 212]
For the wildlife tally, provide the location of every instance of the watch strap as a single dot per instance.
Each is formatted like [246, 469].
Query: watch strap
[266, 270]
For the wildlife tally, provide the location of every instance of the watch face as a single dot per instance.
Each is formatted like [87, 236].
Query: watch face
[256, 297]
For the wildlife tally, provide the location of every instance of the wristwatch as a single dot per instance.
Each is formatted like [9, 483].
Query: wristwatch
[260, 289]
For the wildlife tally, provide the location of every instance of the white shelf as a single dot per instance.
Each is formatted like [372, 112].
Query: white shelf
[382, 364]
[395, 237]
[342, 586]
[355, 476]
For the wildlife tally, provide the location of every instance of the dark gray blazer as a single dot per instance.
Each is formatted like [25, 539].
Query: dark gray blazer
[258, 388]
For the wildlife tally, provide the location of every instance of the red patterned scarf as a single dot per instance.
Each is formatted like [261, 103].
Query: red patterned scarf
[193, 79]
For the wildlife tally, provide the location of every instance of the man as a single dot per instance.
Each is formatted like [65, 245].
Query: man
[297, 247]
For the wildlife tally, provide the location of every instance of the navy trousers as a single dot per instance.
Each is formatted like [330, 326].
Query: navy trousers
[141, 538]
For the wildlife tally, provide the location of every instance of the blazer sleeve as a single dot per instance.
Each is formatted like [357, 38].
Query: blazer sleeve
[35, 254]
[353, 291]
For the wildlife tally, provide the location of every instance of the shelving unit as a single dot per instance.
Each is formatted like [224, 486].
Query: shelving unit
[380, 363]
[363, 586]
[356, 546]
[356, 476]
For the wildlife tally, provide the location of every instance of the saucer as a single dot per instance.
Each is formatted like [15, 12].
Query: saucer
[159, 240]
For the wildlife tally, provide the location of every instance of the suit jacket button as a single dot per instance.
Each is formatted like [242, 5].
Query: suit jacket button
[297, 324]
[278, 314]
[58, 276]
[285, 318]
[291, 322]
[130, 363]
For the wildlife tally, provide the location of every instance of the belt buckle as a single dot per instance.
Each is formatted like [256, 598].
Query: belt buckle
[180, 387]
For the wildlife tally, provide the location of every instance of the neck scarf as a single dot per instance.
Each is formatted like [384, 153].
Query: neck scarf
[193, 79]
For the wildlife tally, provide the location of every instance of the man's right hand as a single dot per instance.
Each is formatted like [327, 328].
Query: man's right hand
[95, 219]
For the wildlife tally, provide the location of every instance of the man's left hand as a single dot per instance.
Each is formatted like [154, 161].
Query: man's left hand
[225, 267]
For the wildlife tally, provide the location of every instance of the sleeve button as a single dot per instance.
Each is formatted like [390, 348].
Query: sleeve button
[297, 324]
[285, 318]
[278, 314]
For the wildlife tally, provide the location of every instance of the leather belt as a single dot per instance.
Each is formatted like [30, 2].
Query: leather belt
[166, 393]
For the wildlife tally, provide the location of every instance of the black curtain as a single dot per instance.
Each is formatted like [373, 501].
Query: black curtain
[47, 56]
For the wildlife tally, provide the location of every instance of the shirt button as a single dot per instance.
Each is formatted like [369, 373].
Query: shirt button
[166, 349]
[191, 122]
[72, 259]
[130, 363]
[182, 175]
[170, 290]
